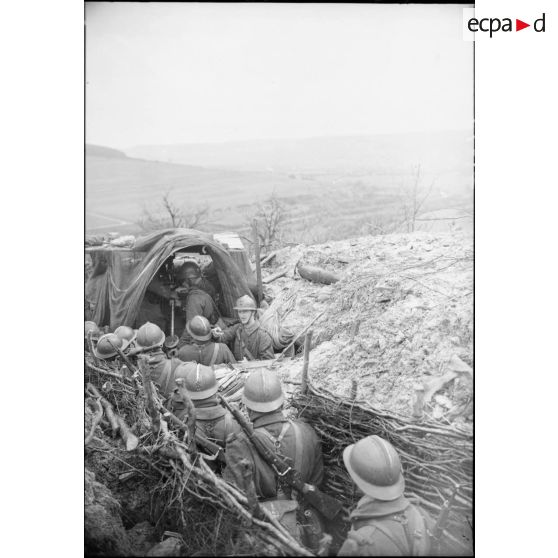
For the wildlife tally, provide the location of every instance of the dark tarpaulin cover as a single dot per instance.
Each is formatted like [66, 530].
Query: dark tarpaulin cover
[119, 291]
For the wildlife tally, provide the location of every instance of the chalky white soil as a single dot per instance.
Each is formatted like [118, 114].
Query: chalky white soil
[401, 315]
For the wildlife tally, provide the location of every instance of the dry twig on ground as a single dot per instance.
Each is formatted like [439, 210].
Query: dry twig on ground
[185, 480]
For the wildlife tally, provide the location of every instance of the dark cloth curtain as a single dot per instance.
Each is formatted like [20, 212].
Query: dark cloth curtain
[117, 293]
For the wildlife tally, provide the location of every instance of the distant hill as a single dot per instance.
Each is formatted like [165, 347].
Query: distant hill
[436, 152]
[333, 187]
[100, 151]
[117, 189]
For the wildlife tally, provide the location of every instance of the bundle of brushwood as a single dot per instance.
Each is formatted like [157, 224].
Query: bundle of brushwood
[435, 457]
[186, 479]
[230, 382]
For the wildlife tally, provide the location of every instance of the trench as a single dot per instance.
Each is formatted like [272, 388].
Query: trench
[151, 495]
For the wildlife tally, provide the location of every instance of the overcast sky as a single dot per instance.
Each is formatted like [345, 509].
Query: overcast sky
[161, 73]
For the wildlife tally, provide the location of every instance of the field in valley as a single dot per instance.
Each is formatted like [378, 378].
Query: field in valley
[340, 199]
[117, 190]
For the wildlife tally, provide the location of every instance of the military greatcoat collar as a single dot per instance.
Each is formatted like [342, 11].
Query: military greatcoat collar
[267, 419]
[210, 413]
[156, 356]
[251, 328]
[208, 409]
[368, 508]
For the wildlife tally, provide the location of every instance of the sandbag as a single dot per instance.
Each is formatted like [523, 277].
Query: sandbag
[317, 274]
[280, 335]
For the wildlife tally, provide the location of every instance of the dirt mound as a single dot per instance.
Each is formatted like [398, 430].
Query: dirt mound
[104, 532]
[400, 315]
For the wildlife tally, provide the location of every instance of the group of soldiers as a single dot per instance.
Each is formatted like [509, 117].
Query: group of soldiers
[200, 320]
[384, 522]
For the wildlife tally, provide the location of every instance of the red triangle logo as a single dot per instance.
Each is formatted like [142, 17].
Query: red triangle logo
[519, 25]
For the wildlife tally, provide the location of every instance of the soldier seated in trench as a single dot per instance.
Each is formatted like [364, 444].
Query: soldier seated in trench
[248, 339]
[202, 348]
[201, 386]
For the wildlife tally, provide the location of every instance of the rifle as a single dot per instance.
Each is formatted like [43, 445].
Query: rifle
[215, 449]
[439, 526]
[124, 358]
[327, 505]
[128, 362]
[171, 342]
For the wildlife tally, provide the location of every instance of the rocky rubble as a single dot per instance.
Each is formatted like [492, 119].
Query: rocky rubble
[400, 316]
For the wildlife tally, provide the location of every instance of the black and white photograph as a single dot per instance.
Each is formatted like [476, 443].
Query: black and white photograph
[278, 279]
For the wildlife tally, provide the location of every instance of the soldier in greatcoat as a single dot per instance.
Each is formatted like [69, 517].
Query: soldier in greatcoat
[384, 522]
[197, 345]
[248, 339]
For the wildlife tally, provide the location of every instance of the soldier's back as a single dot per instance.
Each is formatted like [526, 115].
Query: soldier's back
[400, 534]
[207, 354]
[295, 440]
[215, 424]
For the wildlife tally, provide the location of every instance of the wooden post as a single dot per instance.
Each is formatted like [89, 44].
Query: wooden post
[304, 381]
[90, 346]
[418, 402]
[148, 387]
[257, 259]
[354, 389]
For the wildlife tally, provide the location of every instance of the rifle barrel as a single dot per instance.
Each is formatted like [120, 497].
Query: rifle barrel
[121, 354]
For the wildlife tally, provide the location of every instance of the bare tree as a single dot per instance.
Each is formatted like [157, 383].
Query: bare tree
[381, 225]
[412, 201]
[173, 211]
[270, 218]
[171, 215]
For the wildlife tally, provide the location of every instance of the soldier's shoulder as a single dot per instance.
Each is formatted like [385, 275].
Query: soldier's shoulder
[305, 427]
[421, 512]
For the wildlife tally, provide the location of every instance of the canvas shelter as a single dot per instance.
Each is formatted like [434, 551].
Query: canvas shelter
[121, 274]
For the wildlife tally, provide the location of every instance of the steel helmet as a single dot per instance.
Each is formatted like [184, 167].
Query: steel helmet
[199, 328]
[199, 380]
[245, 303]
[104, 348]
[189, 270]
[149, 334]
[262, 391]
[126, 333]
[91, 326]
[374, 466]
